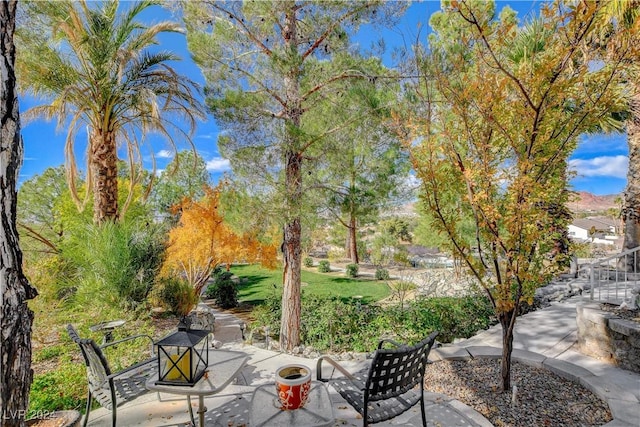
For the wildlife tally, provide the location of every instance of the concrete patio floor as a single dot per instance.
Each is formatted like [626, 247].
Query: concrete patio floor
[231, 407]
[543, 338]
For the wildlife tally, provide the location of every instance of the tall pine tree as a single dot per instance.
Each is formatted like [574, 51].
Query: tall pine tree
[269, 65]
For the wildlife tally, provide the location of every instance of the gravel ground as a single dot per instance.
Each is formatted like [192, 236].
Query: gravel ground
[543, 398]
[633, 315]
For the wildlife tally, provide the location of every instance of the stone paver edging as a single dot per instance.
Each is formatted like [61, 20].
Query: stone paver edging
[624, 405]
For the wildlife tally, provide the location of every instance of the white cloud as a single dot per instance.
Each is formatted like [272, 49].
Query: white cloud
[164, 154]
[601, 143]
[218, 164]
[611, 166]
[159, 172]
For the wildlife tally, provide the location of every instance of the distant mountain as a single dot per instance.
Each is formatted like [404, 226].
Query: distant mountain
[584, 202]
[587, 202]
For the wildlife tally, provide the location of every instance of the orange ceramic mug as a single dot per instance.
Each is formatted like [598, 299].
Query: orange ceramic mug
[293, 383]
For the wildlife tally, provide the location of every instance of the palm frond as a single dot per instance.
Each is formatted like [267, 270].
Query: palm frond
[92, 65]
[530, 40]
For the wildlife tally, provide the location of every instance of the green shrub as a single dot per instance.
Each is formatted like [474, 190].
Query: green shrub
[401, 257]
[453, 317]
[308, 262]
[223, 290]
[347, 325]
[62, 388]
[401, 289]
[382, 274]
[327, 323]
[120, 256]
[352, 270]
[268, 313]
[336, 254]
[581, 250]
[324, 266]
[176, 295]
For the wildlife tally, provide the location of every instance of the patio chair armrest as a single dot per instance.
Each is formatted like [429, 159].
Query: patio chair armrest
[133, 337]
[133, 367]
[335, 365]
[388, 341]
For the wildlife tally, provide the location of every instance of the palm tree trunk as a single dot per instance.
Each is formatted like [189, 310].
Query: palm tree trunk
[631, 203]
[104, 171]
[16, 318]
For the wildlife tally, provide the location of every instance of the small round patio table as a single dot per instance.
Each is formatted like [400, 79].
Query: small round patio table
[224, 366]
[266, 411]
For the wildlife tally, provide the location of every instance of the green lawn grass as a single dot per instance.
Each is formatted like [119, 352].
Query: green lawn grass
[260, 284]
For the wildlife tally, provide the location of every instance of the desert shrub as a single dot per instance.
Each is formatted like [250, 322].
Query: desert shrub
[382, 274]
[122, 257]
[453, 317]
[223, 289]
[347, 325]
[327, 323]
[269, 312]
[331, 323]
[54, 276]
[401, 290]
[401, 257]
[581, 250]
[308, 262]
[176, 295]
[336, 254]
[324, 266]
[352, 270]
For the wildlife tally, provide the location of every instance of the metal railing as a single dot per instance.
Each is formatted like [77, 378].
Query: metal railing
[613, 278]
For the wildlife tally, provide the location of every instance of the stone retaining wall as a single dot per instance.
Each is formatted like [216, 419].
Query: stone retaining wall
[608, 337]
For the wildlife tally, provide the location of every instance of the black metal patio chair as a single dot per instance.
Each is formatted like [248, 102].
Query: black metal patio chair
[112, 389]
[390, 386]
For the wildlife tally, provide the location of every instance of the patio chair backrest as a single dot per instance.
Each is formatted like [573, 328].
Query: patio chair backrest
[97, 366]
[393, 372]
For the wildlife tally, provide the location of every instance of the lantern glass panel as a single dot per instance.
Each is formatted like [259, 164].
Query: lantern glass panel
[183, 357]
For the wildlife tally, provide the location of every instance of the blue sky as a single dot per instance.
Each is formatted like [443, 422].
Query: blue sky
[600, 161]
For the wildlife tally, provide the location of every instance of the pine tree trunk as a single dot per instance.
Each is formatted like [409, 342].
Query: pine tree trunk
[104, 169]
[631, 203]
[507, 321]
[16, 320]
[291, 301]
[292, 245]
[353, 242]
[292, 257]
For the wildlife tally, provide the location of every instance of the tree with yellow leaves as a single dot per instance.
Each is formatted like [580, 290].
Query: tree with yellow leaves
[503, 107]
[201, 241]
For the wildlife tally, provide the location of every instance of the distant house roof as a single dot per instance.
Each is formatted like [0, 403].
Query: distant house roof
[609, 222]
[595, 223]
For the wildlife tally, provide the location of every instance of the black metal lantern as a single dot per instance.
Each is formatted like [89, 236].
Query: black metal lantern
[183, 356]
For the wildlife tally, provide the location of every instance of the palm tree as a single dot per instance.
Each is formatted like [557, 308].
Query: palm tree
[620, 22]
[94, 66]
